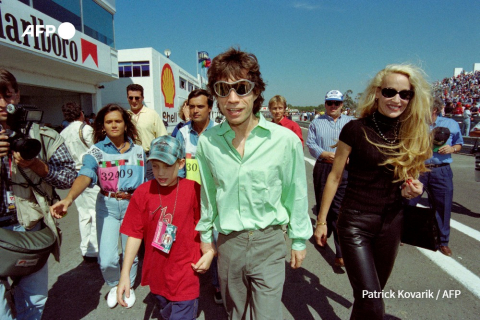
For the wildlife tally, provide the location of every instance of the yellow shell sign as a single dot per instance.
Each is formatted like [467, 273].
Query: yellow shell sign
[168, 85]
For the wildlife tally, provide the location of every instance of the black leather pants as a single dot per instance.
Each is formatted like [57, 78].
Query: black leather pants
[369, 245]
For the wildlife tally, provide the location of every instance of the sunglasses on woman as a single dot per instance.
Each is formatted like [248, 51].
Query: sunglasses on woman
[331, 103]
[242, 87]
[404, 94]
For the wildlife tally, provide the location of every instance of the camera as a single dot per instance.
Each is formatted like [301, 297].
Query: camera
[20, 119]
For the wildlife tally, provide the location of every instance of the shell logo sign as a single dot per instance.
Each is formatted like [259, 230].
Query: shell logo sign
[168, 85]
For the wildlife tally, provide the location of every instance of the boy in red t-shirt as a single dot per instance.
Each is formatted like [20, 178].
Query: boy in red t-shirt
[164, 213]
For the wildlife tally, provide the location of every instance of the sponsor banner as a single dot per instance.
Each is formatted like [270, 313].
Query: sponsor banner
[24, 27]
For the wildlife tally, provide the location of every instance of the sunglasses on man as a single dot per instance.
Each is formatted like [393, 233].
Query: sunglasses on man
[331, 103]
[242, 87]
[136, 98]
[404, 94]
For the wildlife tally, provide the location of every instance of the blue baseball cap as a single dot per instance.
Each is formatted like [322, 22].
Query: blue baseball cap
[334, 95]
[166, 149]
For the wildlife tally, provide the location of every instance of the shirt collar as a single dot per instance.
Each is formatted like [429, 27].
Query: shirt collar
[107, 141]
[224, 127]
[190, 126]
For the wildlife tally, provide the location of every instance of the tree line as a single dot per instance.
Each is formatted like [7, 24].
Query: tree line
[348, 103]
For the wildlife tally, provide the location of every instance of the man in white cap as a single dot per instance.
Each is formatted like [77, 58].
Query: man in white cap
[323, 134]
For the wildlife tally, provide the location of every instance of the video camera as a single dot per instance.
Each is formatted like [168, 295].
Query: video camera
[20, 119]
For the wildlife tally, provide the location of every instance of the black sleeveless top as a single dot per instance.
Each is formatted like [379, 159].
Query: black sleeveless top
[370, 187]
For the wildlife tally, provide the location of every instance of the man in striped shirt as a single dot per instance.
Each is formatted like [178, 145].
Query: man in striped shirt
[322, 138]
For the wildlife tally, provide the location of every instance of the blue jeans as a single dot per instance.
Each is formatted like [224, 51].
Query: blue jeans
[177, 310]
[110, 213]
[30, 293]
[439, 184]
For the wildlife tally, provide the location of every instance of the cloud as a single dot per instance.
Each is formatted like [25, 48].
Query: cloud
[305, 6]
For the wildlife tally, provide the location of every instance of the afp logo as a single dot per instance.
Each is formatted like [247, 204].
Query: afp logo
[66, 30]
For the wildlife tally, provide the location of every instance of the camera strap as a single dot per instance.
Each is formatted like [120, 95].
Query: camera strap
[50, 200]
[80, 133]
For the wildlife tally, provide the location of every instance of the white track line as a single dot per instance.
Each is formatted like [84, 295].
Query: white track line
[467, 278]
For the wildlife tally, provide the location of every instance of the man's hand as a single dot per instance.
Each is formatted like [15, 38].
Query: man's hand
[4, 145]
[446, 149]
[297, 258]
[22, 162]
[329, 156]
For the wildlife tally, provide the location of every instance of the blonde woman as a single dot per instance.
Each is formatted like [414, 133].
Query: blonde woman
[386, 149]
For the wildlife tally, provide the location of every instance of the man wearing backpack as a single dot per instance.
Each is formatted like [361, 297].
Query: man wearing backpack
[26, 191]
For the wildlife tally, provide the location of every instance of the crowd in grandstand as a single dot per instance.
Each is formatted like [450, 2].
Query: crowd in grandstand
[460, 91]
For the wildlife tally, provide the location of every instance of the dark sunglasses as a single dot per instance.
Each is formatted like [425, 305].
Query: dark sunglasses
[136, 98]
[404, 94]
[241, 87]
[331, 103]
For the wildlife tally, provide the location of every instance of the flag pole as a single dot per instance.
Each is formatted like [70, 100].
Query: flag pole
[196, 59]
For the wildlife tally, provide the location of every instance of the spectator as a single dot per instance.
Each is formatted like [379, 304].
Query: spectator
[34, 190]
[79, 138]
[184, 114]
[277, 106]
[147, 122]
[467, 119]
[439, 180]
[322, 139]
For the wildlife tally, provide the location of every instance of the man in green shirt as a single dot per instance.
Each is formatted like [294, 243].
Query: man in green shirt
[253, 182]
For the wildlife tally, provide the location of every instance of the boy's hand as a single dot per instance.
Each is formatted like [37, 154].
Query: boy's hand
[123, 287]
[203, 264]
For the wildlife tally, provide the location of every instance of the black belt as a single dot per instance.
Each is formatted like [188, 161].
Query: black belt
[437, 165]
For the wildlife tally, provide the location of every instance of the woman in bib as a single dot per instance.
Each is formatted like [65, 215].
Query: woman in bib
[117, 165]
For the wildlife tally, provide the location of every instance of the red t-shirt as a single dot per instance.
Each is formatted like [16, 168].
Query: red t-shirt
[169, 275]
[292, 125]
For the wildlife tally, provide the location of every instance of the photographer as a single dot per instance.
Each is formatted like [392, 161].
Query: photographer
[27, 189]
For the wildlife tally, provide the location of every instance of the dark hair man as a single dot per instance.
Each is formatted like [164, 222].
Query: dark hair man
[200, 104]
[52, 168]
[147, 121]
[252, 184]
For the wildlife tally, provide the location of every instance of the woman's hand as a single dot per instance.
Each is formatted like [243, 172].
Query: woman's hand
[412, 189]
[59, 209]
[321, 235]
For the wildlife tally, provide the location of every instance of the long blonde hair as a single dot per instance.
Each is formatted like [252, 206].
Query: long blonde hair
[414, 141]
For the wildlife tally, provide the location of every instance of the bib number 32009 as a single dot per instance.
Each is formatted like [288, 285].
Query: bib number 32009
[110, 176]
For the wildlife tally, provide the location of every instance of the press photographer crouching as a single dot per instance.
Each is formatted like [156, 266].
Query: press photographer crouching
[33, 162]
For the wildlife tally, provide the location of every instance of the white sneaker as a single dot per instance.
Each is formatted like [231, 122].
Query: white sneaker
[130, 301]
[112, 297]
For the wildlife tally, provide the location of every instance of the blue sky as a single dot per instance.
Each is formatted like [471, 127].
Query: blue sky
[306, 48]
